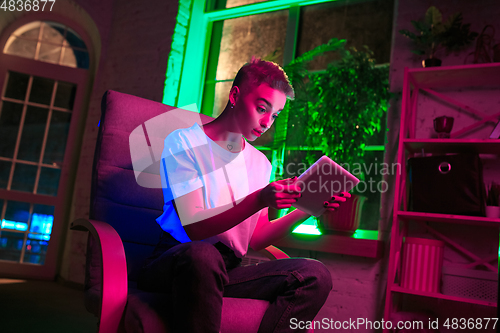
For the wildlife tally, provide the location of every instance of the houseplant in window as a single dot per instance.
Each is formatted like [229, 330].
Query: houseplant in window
[433, 35]
[343, 108]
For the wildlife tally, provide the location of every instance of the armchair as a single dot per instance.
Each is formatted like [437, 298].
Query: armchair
[126, 198]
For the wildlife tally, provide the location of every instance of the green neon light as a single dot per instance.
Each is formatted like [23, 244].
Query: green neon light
[366, 234]
[366, 148]
[307, 229]
[259, 8]
[177, 54]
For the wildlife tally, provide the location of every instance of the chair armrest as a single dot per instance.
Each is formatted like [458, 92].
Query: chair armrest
[114, 272]
[272, 252]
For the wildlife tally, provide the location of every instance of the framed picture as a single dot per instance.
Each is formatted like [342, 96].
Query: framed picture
[495, 134]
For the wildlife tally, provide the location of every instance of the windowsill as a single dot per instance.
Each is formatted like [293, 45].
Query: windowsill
[363, 243]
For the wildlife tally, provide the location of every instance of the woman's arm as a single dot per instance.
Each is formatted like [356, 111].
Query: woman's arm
[268, 232]
[200, 223]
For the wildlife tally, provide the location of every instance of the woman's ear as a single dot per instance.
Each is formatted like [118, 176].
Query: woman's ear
[234, 94]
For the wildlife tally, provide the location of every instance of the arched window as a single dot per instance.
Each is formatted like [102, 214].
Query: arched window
[49, 42]
[43, 73]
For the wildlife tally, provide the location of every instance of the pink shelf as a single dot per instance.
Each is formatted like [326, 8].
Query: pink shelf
[486, 146]
[448, 218]
[399, 289]
[481, 75]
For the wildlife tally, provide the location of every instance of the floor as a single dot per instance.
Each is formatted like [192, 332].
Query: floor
[42, 307]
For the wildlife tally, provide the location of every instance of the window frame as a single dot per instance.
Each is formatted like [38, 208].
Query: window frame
[201, 53]
[62, 202]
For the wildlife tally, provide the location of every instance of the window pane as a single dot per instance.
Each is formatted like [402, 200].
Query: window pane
[221, 96]
[24, 177]
[17, 85]
[49, 53]
[41, 90]
[295, 162]
[10, 118]
[69, 58]
[244, 37]
[53, 32]
[73, 39]
[372, 187]
[30, 30]
[365, 23]
[82, 59]
[18, 212]
[11, 244]
[21, 47]
[56, 139]
[42, 221]
[35, 251]
[49, 181]
[296, 129]
[65, 95]
[39, 234]
[4, 174]
[33, 132]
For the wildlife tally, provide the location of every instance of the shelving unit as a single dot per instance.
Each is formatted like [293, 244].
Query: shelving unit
[438, 82]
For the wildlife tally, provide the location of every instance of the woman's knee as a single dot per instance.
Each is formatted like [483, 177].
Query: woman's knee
[316, 273]
[201, 258]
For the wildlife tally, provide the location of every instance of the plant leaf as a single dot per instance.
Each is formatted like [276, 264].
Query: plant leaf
[433, 16]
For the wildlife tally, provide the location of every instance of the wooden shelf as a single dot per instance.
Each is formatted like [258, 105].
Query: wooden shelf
[399, 289]
[441, 146]
[481, 75]
[341, 244]
[448, 218]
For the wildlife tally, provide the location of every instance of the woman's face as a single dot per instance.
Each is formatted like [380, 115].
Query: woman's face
[256, 109]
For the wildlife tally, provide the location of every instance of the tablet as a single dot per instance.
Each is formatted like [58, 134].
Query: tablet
[320, 182]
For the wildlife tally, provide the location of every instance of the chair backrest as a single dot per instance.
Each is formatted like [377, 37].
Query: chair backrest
[128, 151]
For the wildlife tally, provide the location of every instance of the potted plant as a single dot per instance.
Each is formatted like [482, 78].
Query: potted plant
[492, 201]
[433, 35]
[341, 108]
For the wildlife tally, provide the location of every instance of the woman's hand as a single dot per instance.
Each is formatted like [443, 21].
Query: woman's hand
[280, 194]
[336, 200]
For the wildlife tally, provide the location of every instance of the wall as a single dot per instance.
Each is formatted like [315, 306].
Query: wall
[136, 39]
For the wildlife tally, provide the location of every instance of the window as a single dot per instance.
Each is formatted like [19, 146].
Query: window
[38, 108]
[49, 42]
[280, 31]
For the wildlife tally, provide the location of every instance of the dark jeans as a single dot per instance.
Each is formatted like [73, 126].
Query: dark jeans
[198, 275]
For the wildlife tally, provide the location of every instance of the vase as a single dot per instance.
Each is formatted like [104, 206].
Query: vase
[345, 219]
[431, 62]
[493, 212]
[443, 126]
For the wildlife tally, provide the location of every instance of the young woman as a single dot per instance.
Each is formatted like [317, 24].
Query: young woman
[217, 194]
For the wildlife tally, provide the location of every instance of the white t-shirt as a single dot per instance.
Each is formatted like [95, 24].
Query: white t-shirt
[191, 160]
